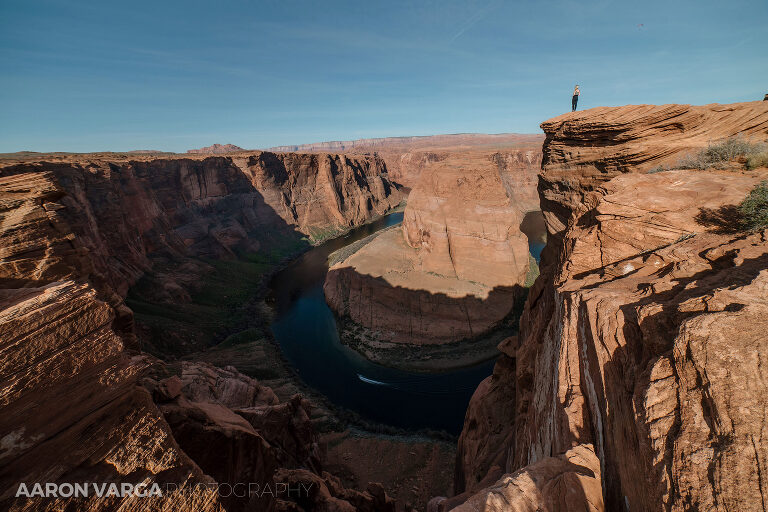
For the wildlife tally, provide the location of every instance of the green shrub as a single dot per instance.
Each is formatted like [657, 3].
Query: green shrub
[758, 160]
[533, 271]
[694, 162]
[718, 155]
[754, 208]
[729, 149]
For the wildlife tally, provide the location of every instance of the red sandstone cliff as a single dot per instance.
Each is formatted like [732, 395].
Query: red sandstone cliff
[75, 235]
[457, 265]
[637, 380]
[216, 206]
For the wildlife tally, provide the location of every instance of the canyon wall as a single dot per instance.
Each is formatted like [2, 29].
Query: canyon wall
[457, 266]
[207, 207]
[79, 403]
[71, 408]
[520, 154]
[406, 157]
[464, 214]
[637, 375]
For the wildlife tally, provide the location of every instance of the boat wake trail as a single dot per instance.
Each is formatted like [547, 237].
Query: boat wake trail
[371, 381]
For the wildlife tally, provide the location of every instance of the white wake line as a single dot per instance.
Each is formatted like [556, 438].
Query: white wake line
[371, 381]
[399, 386]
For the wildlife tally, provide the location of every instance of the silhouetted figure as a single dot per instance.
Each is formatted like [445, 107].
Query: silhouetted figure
[766, 98]
[575, 98]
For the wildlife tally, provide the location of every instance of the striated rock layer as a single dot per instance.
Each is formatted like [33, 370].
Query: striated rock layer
[638, 381]
[75, 235]
[457, 265]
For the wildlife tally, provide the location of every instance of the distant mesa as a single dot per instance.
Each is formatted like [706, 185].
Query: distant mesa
[409, 143]
[406, 157]
[148, 152]
[217, 149]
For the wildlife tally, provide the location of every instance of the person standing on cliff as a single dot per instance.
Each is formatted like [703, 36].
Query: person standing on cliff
[575, 98]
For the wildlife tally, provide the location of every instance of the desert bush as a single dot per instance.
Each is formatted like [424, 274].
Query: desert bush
[718, 155]
[660, 168]
[754, 208]
[758, 160]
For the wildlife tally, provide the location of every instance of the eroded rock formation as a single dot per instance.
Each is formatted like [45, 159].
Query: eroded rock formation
[457, 266]
[638, 377]
[75, 235]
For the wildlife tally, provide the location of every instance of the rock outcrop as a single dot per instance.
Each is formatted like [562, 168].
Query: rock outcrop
[72, 412]
[75, 235]
[584, 149]
[640, 345]
[455, 268]
[238, 432]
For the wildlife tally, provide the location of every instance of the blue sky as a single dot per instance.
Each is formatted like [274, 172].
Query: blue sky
[104, 75]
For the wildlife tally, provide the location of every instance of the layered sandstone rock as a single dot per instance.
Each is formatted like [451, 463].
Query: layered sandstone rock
[382, 288]
[72, 412]
[640, 341]
[519, 158]
[484, 445]
[327, 493]
[584, 149]
[320, 194]
[570, 481]
[463, 219]
[75, 234]
[454, 269]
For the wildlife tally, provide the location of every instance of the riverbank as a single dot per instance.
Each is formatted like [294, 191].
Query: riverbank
[443, 358]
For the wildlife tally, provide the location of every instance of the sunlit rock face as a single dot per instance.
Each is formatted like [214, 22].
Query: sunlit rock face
[463, 222]
[639, 347]
[455, 267]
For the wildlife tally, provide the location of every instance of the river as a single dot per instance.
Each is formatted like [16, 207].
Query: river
[305, 329]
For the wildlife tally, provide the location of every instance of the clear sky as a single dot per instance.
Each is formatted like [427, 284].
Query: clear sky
[108, 75]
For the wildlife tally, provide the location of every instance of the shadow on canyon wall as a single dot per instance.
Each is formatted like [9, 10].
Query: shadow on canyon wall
[421, 317]
[187, 241]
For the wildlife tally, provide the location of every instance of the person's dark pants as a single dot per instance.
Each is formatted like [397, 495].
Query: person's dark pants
[574, 101]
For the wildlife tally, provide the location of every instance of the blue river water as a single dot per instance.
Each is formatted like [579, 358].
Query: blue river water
[305, 328]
